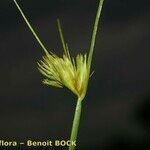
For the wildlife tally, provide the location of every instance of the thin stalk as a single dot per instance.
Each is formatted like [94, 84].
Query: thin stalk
[77, 115]
[64, 44]
[76, 123]
[30, 27]
[94, 33]
[61, 36]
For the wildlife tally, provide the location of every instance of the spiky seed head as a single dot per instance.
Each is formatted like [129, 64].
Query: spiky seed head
[66, 72]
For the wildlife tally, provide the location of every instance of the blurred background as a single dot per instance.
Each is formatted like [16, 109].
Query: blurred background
[116, 110]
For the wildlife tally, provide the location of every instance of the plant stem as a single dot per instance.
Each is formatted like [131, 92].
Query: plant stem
[30, 27]
[94, 33]
[64, 44]
[61, 36]
[76, 123]
[77, 115]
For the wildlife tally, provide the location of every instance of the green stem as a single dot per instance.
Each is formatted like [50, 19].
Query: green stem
[76, 123]
[64, 44]
[61, 36]
[30, 27]
[94, 33]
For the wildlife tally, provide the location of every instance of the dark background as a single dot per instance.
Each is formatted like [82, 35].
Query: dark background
[117, 106]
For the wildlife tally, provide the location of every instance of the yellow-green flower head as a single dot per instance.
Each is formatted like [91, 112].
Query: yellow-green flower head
[66, 72]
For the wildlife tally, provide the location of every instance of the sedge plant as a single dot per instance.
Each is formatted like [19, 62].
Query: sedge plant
[67, 71]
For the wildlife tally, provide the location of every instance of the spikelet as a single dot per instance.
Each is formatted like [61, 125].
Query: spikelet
[65, 72]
